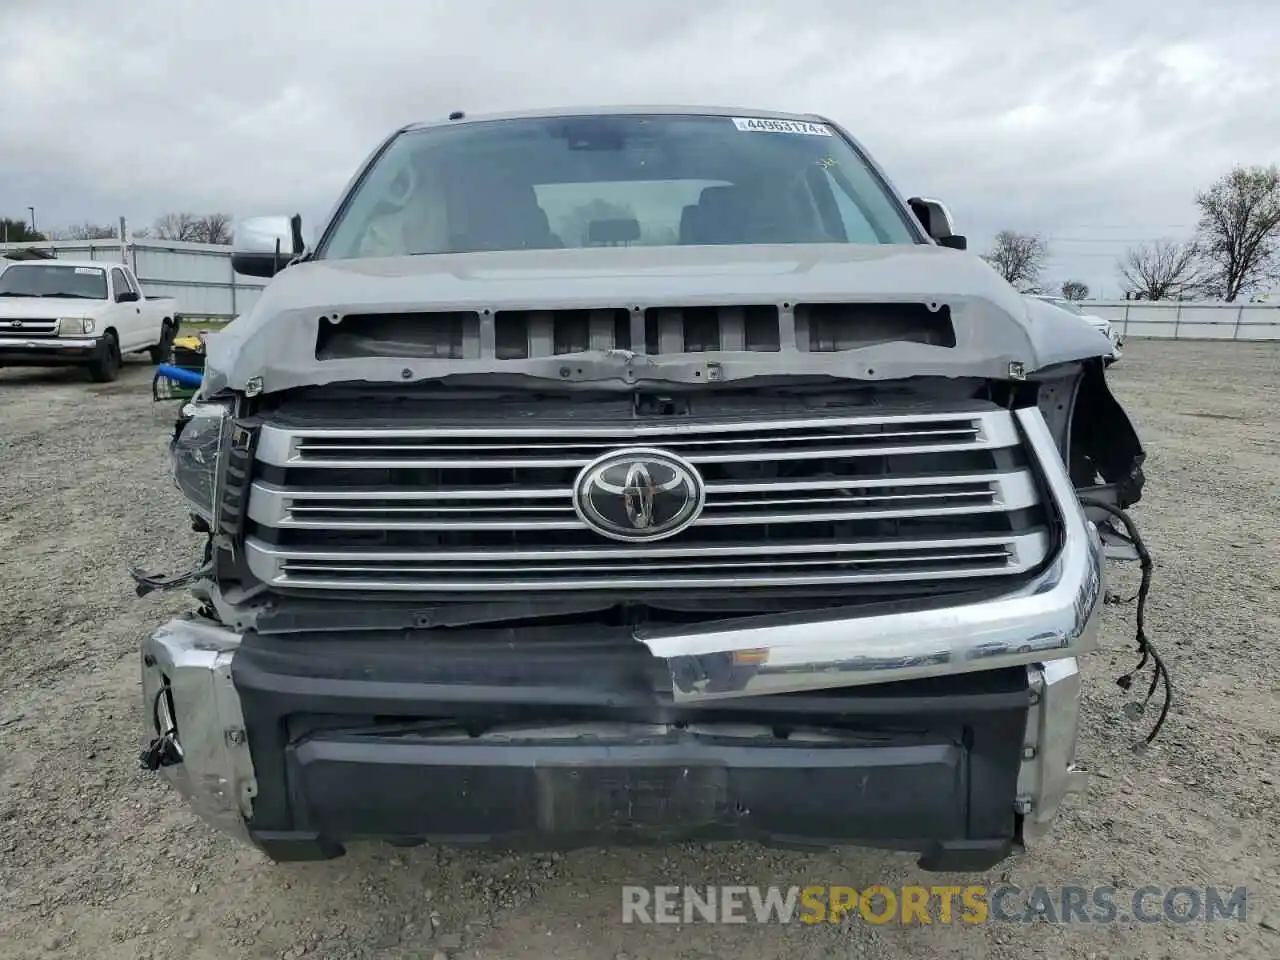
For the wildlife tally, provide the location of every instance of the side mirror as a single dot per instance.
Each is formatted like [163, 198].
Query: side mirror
[263, 246]
[937, 222]
[126, 296]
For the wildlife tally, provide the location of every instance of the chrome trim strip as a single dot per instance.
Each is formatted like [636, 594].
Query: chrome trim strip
[672, 438]
[285, 447]
[61, 343]
[411, 509]
[462, 460]
[644, 552]
[621, 568]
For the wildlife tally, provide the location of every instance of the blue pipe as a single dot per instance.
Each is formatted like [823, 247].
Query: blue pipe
[187, 378]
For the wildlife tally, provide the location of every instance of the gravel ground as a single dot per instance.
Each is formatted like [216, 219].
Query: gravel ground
[100, 860]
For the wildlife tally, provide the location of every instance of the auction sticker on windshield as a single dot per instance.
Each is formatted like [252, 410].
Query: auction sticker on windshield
[760, 125]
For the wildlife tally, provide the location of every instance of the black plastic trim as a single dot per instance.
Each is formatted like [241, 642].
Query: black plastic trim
[341, 728]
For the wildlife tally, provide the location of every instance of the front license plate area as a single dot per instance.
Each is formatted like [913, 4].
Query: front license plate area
[657, 798]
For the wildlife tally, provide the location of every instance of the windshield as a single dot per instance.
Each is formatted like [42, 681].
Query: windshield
[669, 180]
[53, 280]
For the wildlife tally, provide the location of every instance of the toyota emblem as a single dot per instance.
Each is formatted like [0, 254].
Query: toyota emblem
[638, 495]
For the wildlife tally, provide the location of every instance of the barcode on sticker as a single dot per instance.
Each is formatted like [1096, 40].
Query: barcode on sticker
[88, 271]
[760, 125]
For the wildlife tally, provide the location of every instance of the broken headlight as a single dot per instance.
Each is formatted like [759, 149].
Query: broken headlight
[195, 453]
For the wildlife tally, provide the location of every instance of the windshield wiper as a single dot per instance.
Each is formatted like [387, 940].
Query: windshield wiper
[70, 296]
[16, 294]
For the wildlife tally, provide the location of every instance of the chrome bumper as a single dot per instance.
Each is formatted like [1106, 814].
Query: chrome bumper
[1048, 774]
[186, 666]
[186, 677]
[1053, 617]
[49, 344]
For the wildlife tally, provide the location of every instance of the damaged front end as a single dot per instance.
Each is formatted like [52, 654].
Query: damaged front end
[723, 558]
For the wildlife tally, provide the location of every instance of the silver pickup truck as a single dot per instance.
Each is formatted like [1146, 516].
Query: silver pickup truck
[636, 475]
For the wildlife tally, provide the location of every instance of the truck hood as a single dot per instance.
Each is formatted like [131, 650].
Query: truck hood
[272, 348]
[40, 308]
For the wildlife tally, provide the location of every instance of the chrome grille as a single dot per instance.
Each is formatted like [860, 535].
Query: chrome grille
[26, 327]
[820, 501]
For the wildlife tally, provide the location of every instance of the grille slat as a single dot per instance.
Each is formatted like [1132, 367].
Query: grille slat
[822, 501]
[632, 568]
[309, 449]
[760, 503]
[573, 445]
[577, 462]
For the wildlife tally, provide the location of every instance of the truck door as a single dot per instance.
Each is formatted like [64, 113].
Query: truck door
[130, 322]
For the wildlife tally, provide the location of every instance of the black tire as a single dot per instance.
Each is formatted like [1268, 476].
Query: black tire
[106, 366]
[160, 352]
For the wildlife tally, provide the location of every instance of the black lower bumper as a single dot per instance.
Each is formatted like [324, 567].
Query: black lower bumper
[549, 744]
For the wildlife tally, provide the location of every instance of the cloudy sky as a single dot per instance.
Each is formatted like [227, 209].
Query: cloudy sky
[1091, 121]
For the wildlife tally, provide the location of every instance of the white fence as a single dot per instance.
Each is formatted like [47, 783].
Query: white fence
[1190, 320]
[197, 275]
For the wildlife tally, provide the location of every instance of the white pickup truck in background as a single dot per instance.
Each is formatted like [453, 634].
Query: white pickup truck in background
[80, 313]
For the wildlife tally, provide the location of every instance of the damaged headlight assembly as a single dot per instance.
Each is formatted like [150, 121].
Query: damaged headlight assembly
[197, 445]
[200, 441]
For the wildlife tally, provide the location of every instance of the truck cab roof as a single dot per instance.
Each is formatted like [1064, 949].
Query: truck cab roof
[624, 110]
[57, 262]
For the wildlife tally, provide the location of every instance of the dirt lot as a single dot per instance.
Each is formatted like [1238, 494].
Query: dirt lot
[99, 860]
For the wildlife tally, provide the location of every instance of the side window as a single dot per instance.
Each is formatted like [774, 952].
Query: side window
[126, 280]
[857, 227]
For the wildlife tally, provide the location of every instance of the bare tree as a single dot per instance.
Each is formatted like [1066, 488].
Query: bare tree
[1019, 258]
[90, 231]
[213, 228]
[194, 228]
[1239, 231]
[1075, 289]
[177, 226]
[1163, 270]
